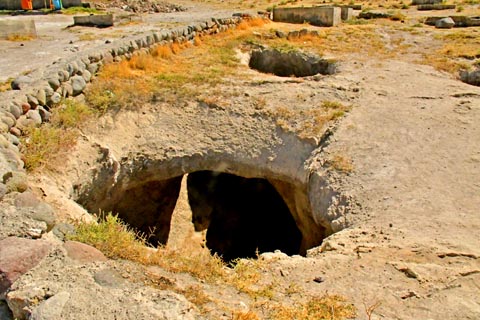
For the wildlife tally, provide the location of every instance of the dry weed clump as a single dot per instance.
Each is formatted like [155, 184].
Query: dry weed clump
[340, 163]
[47, 146]
[324, 307]
[309, 123]
[19, 37]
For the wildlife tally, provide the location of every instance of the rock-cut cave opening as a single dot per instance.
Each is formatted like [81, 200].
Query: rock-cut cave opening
[243, 216]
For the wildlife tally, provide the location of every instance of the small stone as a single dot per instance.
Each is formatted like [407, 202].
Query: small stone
[280, 34]
[13, 139]
[34, 115]
[67, 90]
[16, 110]
[21, 82]
[445, 23]
[15, 181]
[63, 230]
[41, 97]
[56, 98]
[35, 233]
[32, 101]
[54, 83]
[87, 76]
[93, 68]
[26, 199]
[44, 114]
[3, 127]
[8, 121]
[23, 123]
[25, 107]
[78, 85]
[83, 253]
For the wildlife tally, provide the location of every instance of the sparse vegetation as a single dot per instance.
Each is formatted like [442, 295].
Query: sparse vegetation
[340, 163]
[19, 37]
[80, 10]
[309, 123]
[46, 146]
[6, 85]
[117, 241]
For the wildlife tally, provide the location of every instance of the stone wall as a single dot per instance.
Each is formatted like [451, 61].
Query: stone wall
[317, 16]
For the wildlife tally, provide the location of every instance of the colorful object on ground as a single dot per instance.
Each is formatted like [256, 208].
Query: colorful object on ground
[27, 4]
[57, 4]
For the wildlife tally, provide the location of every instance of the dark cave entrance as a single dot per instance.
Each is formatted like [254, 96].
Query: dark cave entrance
[242, 216]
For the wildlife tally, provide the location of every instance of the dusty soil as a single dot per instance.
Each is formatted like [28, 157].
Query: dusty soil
[412, 136]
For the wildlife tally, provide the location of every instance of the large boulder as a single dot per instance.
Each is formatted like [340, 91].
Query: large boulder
[17, 256]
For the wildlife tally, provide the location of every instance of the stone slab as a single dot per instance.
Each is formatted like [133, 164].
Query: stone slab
[94, 20]
[17, 28]
[317, 16]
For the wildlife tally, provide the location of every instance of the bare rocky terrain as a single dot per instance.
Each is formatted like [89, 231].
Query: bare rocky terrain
[400, 225]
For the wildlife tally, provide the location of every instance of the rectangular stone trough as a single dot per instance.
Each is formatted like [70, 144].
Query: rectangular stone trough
[94, 20]
[318, 16]
[460, 21]
[17, 28]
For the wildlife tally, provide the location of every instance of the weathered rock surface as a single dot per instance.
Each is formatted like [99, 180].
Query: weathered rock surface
[17, 256]
[83, 253]
[60, 289]
[445, 23]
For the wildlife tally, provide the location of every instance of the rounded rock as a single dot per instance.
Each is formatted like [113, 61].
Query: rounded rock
[78, 85]
[34, 115]
[15, 110]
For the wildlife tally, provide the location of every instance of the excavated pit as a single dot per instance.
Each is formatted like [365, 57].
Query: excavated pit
[290, 63]
[243, 216]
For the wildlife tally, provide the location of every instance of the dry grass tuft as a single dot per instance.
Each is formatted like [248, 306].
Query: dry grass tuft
[6, 85]
[163, 52]
[249, 315]
[176, 48]
[46, 147]
[324, 307]
[309, 123]
[340, 163]
[19, 37]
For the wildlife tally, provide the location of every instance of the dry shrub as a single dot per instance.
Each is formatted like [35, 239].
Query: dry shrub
[243, 25]
[325, 307]
[46, 147]
[240, 315]
[197, 41]
[176, 48]
[118, 241]
[142, 62]
[163, 52]
[341, 163]
[257, 22]
[19, 37]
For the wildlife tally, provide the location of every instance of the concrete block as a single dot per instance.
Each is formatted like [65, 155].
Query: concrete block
[71, 3]
[346, 13]
[20, 28]
[317, 16]
[94, 20]
[417, 2]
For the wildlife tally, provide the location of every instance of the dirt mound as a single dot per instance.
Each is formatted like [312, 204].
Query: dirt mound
[140, 6]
